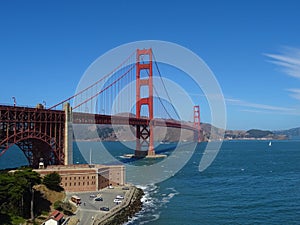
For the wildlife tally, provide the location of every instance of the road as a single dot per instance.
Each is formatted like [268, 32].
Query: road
[89, 208]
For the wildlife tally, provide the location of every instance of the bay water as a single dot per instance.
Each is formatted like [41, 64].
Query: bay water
[249, 182]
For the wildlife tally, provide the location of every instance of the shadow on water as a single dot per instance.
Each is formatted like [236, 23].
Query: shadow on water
[96, 152]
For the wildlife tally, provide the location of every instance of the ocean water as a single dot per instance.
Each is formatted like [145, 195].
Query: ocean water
[248, 183]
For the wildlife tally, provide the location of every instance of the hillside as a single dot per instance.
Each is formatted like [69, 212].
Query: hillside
[209, 132]
[109, 133]
[294, 132]
[253, 134]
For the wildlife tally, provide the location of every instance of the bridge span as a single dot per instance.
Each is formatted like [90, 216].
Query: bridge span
[47, 133]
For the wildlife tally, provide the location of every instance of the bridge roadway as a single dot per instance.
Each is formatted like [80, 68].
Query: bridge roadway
[88, 118]
[9, 114]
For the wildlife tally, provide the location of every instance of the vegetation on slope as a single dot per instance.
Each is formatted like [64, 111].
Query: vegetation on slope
[255, 133]
[16, 190]
[22, 196]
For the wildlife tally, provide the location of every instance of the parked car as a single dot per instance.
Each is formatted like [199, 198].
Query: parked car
[120, 197]
[104, 209]
[98, 199]
[92, 196]
[110, 187]
[125, 188]
[117, 201]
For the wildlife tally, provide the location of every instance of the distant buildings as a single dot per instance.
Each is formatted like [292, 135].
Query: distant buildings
[84, 177]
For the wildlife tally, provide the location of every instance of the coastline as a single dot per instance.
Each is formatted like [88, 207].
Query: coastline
[124, 211]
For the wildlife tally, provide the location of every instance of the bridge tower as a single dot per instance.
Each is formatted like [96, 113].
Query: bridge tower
[144, 133]
[197, 122]
[68, 135]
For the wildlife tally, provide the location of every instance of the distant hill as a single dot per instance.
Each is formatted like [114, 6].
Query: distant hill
[255, 133]
[291, 133]
[209, 132]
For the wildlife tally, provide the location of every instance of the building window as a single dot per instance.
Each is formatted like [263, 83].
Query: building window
[70, 184]
[88, 183]
[66, 184]
[83, 183]
[79, 183]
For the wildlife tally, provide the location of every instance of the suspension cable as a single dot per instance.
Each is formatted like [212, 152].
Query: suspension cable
[104, 89]
[92, 85]
[160, 100]
[165, 87]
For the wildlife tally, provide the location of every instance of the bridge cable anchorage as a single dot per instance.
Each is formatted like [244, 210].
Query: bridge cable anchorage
[104, 89]
[178, 117]
[97, 82]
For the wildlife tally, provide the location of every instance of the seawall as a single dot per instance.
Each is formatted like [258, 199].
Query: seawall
[125, 210]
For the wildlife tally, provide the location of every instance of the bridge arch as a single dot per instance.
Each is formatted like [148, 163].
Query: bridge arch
[38, 132]
[35, 146]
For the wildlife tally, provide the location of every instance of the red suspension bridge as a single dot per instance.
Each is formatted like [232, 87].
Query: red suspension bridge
[47, 133]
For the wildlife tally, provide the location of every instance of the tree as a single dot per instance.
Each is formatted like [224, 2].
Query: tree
[16, 191]
[52, 181]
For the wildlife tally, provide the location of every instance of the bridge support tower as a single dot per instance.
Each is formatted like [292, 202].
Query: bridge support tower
[197, 123]
[68, 137]
[144, 133]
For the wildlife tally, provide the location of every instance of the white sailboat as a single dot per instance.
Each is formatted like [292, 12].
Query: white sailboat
[270, 143]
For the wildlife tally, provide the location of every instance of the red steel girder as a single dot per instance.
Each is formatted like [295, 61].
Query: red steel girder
[43, 129]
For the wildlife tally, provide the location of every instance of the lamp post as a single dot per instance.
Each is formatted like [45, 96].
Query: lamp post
[15, 101]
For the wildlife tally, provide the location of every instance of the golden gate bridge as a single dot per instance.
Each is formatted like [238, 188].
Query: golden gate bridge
[47, 133]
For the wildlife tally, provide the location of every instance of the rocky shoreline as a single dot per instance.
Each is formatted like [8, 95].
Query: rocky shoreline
[126, 212]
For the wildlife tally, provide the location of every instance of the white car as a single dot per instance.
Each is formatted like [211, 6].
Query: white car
[120, 197]
[117, 201]
[110, 187]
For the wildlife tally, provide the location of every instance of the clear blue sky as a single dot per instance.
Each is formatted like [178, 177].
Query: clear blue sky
[253, 48]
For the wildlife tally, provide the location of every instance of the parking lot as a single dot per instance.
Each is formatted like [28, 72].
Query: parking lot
[108, 195]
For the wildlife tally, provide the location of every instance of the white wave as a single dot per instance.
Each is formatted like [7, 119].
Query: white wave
[170, 196]
[156, 217]
[152, 202]
[174, 190]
